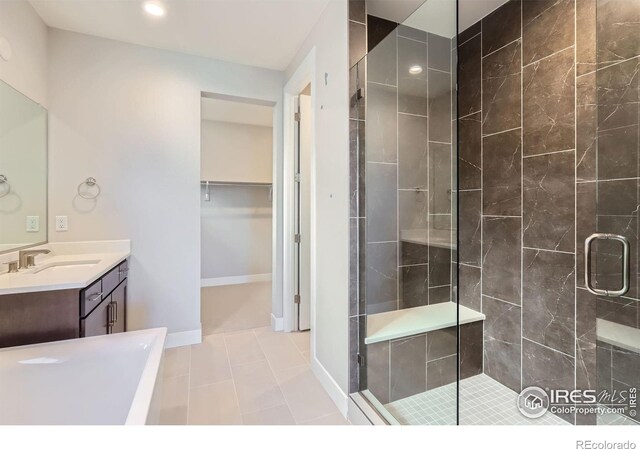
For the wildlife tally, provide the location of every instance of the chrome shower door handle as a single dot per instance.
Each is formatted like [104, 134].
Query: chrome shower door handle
[625, 264]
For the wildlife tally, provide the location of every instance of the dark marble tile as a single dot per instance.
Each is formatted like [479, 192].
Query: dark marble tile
[354, 381]
[378, 370]
[618, 30]
[438, 295]
[382, 129]
[548, 299]
[501, 27]
[469, 76]
[439, 106]
[625, 366]
[618, 310]
[354, 282]
[586, 369]
[407, 363]
[413, 253]
[414, 286]
[586, 304]
[603, 367]
[501, 174]
[501, 89]
[356, 149]
[442, 343]
[382, 61]
[470, 152]
[412, 152]
[617, 152]
[618, 95]
[502, 349]
[618, 197]
[412, 33]
[382, 197]
[439, 52]
[545, 368]
[412, 88]
[377, 30]
[501, 258]
[471, 349]
[549, 104]
[357, 79]
[587, 125]
[608, 257]
[358, 10]
[441, 372]
[439, 266]
[549, 201]
[440, 188]
[357, 42]
[547, 27]
[412, 210]
[586, 36]
[469, 32]
[586, 202]
[362, 267]
[470, 287]
[382, 277]
[470, 229]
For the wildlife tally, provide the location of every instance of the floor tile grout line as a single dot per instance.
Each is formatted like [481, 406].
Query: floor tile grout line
[233, 379]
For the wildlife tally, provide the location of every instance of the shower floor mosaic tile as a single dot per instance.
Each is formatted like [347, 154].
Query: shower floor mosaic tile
[483, 401]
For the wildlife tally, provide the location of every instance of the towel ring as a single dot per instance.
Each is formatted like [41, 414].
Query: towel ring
[5, 182]
[89, 182]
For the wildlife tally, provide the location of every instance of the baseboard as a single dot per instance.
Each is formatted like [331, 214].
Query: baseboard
[185, 338]
[234, 280]
[277, 324]
[331, 387]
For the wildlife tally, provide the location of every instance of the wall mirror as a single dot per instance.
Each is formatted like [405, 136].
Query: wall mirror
[23, 170]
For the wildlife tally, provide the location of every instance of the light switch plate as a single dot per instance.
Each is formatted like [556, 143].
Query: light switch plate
[33, 223]
[62, 223]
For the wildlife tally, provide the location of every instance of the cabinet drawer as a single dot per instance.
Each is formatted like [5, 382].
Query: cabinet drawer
[97, 323]
[90, 297]
[110, 281]
[123, 270]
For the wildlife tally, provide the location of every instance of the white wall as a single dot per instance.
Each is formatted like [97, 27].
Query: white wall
[236, 152]
[130, 117]
[331, 114]
[26, 71]
[236, 223]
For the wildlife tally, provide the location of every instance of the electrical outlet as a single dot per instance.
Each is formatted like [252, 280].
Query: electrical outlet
[33, 223]
[61, 223]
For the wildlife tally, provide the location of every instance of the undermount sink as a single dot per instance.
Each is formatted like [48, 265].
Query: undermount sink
[64, 265]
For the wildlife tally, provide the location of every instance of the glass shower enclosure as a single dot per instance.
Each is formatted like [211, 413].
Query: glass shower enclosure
[497, 179]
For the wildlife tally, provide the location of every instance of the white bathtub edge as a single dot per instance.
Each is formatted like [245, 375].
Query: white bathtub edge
[186, 338]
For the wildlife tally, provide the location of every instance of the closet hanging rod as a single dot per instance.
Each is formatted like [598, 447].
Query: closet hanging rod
[234, 183]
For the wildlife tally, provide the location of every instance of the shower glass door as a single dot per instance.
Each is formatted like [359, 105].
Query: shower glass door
[610, 340]
[408, 257]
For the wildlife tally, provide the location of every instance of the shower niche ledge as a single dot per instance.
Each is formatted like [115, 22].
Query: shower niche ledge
[417, 320]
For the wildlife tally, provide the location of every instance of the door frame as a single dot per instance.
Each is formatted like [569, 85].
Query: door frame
[303, 76]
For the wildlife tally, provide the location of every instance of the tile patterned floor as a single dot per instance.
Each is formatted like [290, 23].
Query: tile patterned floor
[246, 377]
[483, 402]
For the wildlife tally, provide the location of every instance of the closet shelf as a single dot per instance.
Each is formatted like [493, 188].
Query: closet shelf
[236, 183]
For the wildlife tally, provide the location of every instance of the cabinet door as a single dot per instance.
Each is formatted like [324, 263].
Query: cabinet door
[118, 313]
[97, 323]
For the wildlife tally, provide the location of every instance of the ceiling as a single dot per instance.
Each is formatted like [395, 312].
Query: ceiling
[218, 110]
[434, 16]
[261, 33]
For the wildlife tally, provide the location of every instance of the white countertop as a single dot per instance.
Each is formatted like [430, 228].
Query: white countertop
[99, 258]
[417, 320]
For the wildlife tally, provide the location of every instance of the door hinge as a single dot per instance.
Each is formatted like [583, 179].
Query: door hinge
[296, 299]
[297, 238]
[360, 94]
[360, 359]
[297, 177]
[297, 116]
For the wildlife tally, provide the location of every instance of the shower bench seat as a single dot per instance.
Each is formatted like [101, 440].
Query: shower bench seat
[618, 335]
[417, 320]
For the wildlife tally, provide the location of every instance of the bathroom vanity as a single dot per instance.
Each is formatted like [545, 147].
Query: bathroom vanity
[77, 290]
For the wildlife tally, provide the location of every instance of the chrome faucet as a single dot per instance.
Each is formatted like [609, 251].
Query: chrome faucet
[26, 258]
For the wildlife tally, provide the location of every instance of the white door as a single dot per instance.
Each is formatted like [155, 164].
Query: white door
[302, 215]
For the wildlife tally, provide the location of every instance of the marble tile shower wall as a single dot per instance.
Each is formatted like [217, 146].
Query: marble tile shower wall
[531, 122]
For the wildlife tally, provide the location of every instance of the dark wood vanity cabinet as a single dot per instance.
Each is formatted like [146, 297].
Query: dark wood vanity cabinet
[38, 317]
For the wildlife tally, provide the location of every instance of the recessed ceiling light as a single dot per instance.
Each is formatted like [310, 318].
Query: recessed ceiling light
[155, 9]
[415, 69]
